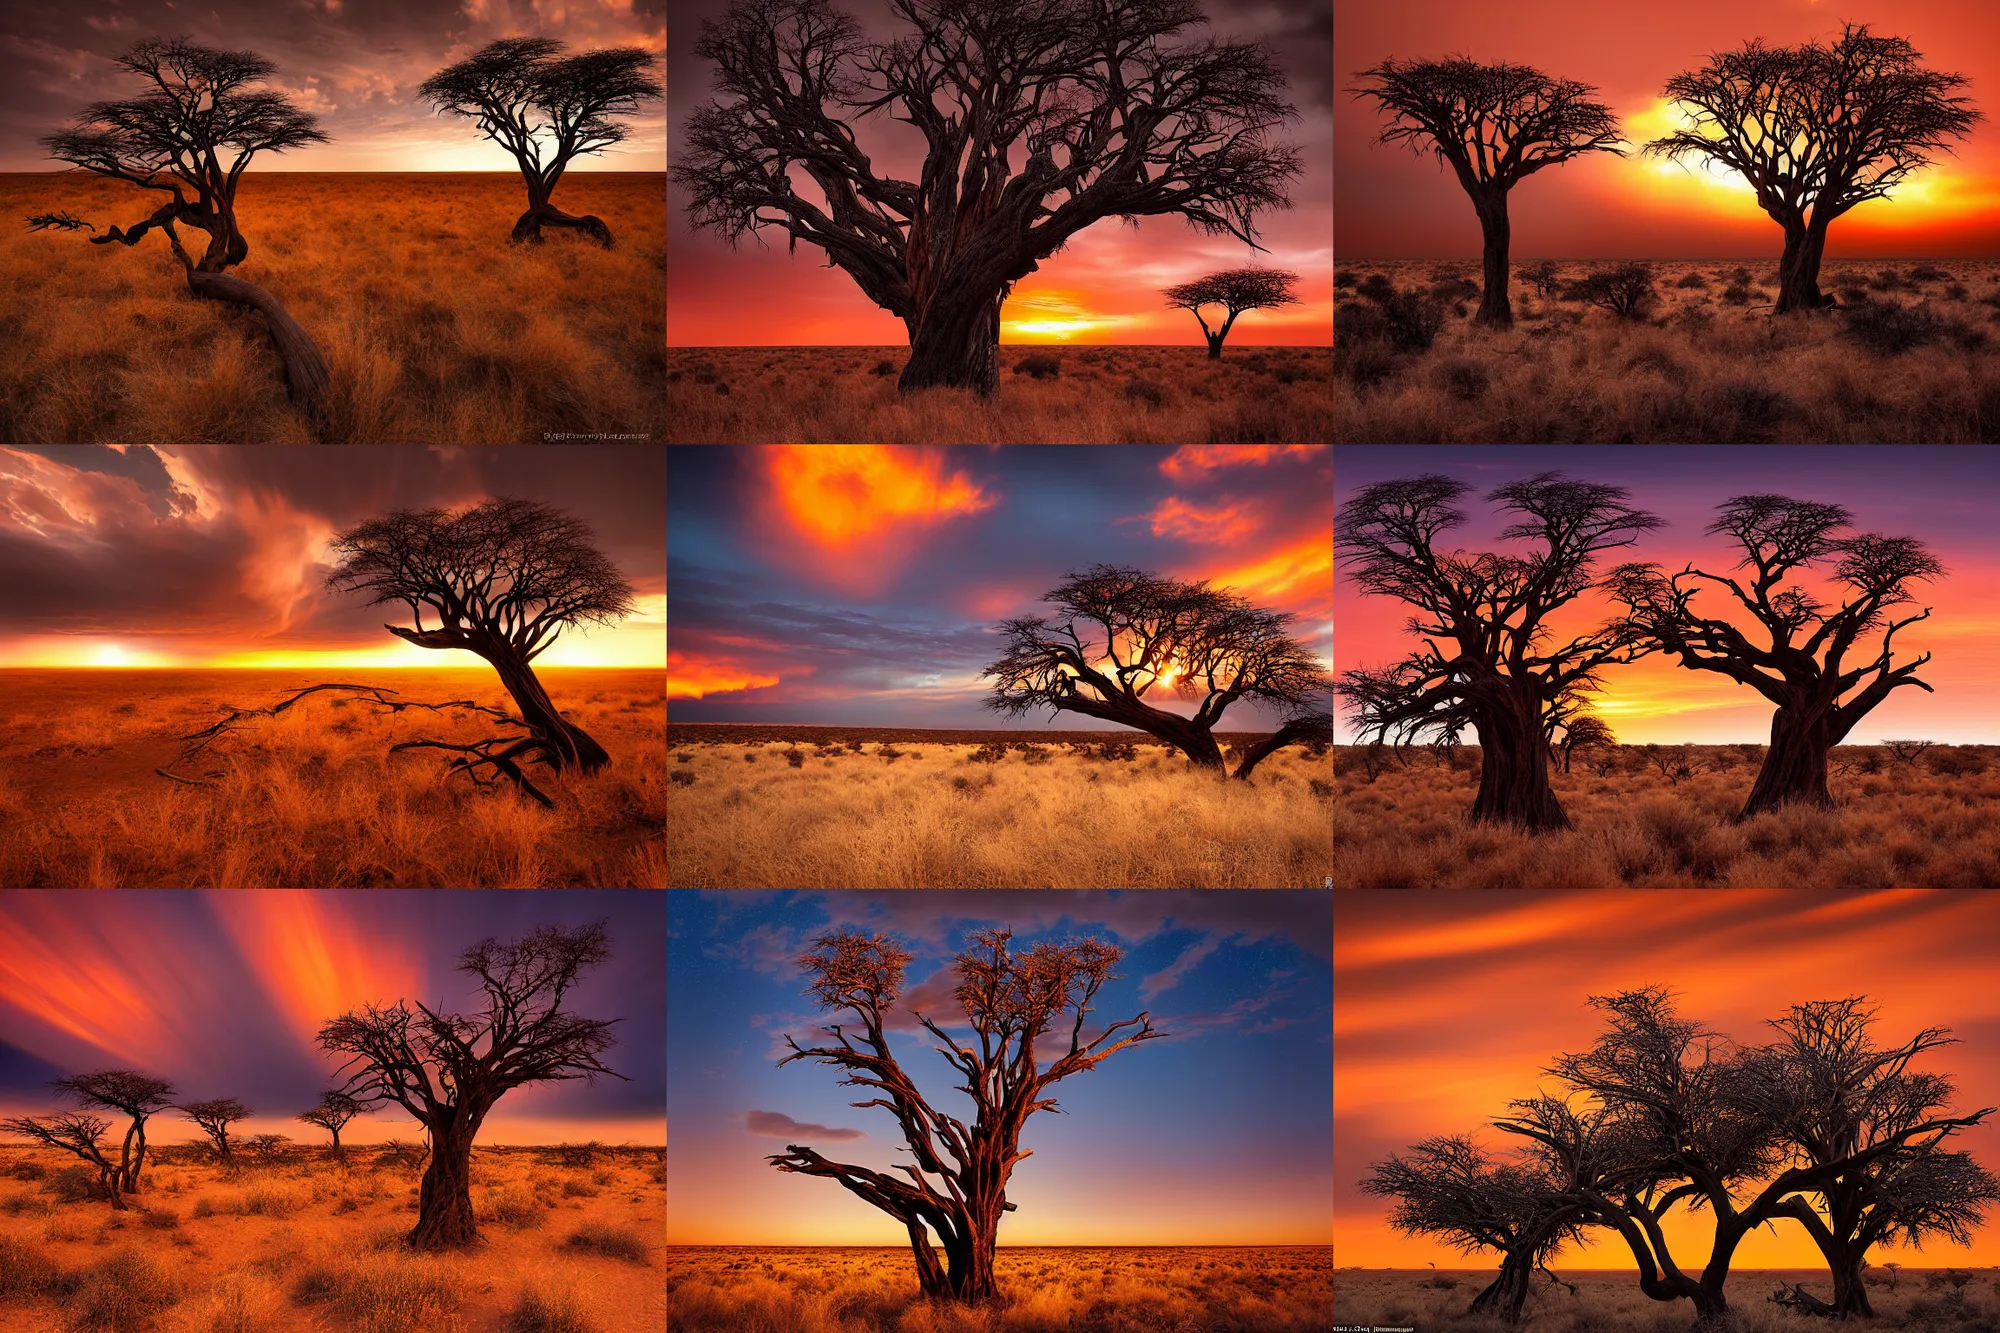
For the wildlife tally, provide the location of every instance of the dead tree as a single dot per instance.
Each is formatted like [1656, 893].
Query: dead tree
[1236, 291]
[334, 1110]
[191, 135]
[1039, 119]
[1817, 129]
[431, 1063]
[1141, 631]
[1803, 669]
[547, 106]
[1489, 661]
[214, 1119]
[136, 1095]
[1011, 1001]
[1494, 125]
[79, 1135]
[1907, 752]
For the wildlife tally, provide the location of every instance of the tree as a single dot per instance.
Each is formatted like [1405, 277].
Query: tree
[1500, 669]
[1586, 731]
[1201, 642]
[1816, 129]
[1106, 116]
[269, 1148]
[334, 1110]
[1236, 291]
[131, 1092]
[432, 1064]
[214, 1119]
[195, 130]
[1625, 290]
[505, 578]
[79, 1135]
[547, 107]
[1493, 125]
[1011, 1000]
[1803, 669]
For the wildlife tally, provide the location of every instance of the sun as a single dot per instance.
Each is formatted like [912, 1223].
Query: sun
[110, 655]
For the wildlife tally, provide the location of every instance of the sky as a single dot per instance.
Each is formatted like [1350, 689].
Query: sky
[223, 991]
[1421, 1049]
[859, 584]
[1944, 495]
[1215, 1134]
[216, 555]
[355, 64]
[1394, 204]
[1102, 288]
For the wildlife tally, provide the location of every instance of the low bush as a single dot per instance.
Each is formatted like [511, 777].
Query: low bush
[1138, 389]
[75, 1184]
[1039, 366]
[548, 1310]
[1736, 293]
[1929, 273]
[161, 1219]
[1888, 328]
[989, 753]
[1464, 379]
[795, 757]
[28, 1171]
[27, 1270]
[123, 1293]
[383, 1294]
[1691, 280]
[1344, 278]
[513, 1205]
[1625, 291]
[622, 1243]
[884, 368]
[681, 779]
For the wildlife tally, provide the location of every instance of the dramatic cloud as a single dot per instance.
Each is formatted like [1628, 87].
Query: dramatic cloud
[773, 1125]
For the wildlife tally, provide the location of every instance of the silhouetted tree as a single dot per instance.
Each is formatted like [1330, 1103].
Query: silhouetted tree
[1493, 125]
[214, 1119]
[1105, 116]
[79, 1135]
[431, 1063]
[547, 106]
[332, 1113]
[1803, 669]
[1490, 660]
[1236, 291]
[1585, 731]
[193, 132]
[1140, 631]
[1816, 129]
[1625, 291]
[1011, 1000]
[135, 1094]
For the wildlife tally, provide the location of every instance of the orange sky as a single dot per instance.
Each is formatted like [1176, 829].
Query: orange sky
[1449, 1004]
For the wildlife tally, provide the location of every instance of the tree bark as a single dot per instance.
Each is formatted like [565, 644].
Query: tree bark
[955, 343]
[1507, 1294]
[1850, 1293]
[1794, 771]
[305, 365]
[444, 1199]
[1297, 730]
[528, 227]
[572, 744]
[1514, 769]
[1494, 308]
[1798, 267]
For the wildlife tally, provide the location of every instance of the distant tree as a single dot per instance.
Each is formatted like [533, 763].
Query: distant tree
[137, 1095]
[1907, 752]
[214, 1119]
[1625, 291]
[1236, 291]
[1493, 125]
[267, 1148]
[79, 1135]
[1817, 129]
[332, 1113]
[547, 106]
[1545, 278]
[1586, 731]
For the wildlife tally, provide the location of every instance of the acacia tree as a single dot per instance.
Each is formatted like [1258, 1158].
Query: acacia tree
[1235, 290]
[547, 106]
[127, 1090]
[1817, 129]
[1489, 661]
[1011, 1001]
[1493, 125]
[1039, 118]
[448, 1070]
[334, 1110]
[214, 1118]
[1803, 668]
[1140, 631]
[191, 134]
[1585, 731]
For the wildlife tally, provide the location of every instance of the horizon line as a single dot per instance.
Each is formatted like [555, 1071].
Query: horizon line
[1073, 1245]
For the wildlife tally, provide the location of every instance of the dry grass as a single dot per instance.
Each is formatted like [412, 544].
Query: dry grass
[435, 327]
[933, 817]
[325, 1268]
[1916, 826]
[312, 797]
[1044, 1290]
[1700, 369]
[1101, 395]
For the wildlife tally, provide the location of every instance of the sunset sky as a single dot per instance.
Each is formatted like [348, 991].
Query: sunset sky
[1102, 288]
[222, 992]
[1451, 1003]
[1394, 204]
[1946, 495]
[859, 584]
[355, 64]
[1212, 1135]
[216, 555]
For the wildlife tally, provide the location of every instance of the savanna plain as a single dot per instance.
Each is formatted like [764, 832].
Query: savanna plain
[847, 808]
[1043, 1290]
[312, 798]
[1665, 816]
[1911, 357]
[1607, 1301]
[1048, 395]
[436, 329]
[300, 1242]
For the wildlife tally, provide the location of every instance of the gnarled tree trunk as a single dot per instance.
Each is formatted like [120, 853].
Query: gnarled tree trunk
[305, 365]
[1507, 1293]
[1496, 235]
[541, 213]
[1298, 729]
[955, 343]
[444, 1199]
[1514, 769]
[573, 745]
[1794, 771]
[1798, 267]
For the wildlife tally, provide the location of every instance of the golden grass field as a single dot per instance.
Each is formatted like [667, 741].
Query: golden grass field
[436, 329]
[1098, 395]
[1699, 369]
[309, 1246]
[932, 817]
[1929, 824]
[1212, 1289]
[311, 798]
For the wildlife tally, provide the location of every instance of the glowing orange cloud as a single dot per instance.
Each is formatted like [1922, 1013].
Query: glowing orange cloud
[98, 980]
[1175, 517]
[1192, 462]
[694, 677]
[1299, 572]
[859, 509]
[315, 961]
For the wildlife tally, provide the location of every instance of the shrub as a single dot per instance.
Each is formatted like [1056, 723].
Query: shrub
[1139, 389]
[1956, 292]
[1377, 287]
[203, 1207]
[1544, 277]
[28, 1171]
[1039, 366]
[622, 1243]
[1889, 328]
[1888, 280]
[1412, 321]
[795, 757]
[1034, 754]
[749, 758]
[1742, 277]
[579, 1189]
[16, 1204]
[884, 368]
[348, 1204]
[1464, 379]
[544, 1310]
[161, 1219]
[1117, 751]
[25, 1270]
[1320, 787]
[888, 751]
[123, 1293]
[1344, 278]
[1929, 273]
[263, 1201]
[681, 779]
[1625, 290]
[515, 1205]
[382, 1295]
[1758, 410]
[75, 1184]
[1454, 288]
[1853, 295]
[1691, 280]
[1736, 294]
[988, 753]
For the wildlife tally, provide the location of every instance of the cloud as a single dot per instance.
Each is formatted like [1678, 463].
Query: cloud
[1194, 462]
[776, 1125]
[1188, 521]
[1170, 976]
[854, 512]
[694, 676]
